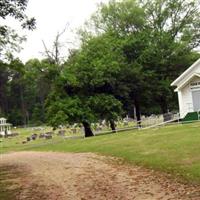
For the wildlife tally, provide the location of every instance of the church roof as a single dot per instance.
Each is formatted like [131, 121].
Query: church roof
[185, 74]
[187, 80]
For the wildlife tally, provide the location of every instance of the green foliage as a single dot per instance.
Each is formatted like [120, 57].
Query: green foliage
[83, 91]
[136, 51]
[99, 59]
[79, 109]
[123, 17]
[129, 55]
[9, 39]
[16, 9]
[12, 74]
[24, 89]
[160, 40]
[37, 117]
[106, 107]
[15, 117]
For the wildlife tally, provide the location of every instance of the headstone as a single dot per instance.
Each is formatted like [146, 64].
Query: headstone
[61, 133]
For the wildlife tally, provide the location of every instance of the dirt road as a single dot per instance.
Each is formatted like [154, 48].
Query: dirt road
[87, 176]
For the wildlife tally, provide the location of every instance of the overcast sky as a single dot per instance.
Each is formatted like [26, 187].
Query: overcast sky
[52, 16]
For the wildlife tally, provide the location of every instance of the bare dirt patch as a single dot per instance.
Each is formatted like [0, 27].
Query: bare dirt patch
[86, 176]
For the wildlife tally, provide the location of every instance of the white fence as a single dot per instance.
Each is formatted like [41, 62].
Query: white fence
[145, 123]
[157, 120]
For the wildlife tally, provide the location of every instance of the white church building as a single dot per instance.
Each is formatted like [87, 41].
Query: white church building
[188, 89]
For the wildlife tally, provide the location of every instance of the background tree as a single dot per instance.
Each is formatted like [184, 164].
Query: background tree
[12, 102]
[129, 50]
[84, 88]
[126, 62]
[9, 39]
[174, 34]
[159, 39]
[3, 87]
[24, 90]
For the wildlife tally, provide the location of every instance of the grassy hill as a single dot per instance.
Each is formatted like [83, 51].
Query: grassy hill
[174, 149]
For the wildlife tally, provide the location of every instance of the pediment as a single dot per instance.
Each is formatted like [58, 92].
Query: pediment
[192, 71]
[188, 80]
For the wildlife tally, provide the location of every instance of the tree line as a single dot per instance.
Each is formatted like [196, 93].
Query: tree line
[130, 52]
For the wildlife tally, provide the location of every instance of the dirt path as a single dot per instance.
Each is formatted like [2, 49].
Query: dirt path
[86, 176]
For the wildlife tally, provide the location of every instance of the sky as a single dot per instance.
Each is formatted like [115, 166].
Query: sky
[53, 16]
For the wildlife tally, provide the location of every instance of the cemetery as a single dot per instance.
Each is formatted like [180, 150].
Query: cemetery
[100, 100]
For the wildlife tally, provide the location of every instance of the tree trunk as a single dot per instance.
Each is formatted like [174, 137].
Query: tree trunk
[138, 112]
[23, 107]
[88, 130]
[164, 108]
[113, 126]
[163, 105]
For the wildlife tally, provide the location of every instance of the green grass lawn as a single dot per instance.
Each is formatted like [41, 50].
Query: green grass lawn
[174, 149]
[15, 143]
